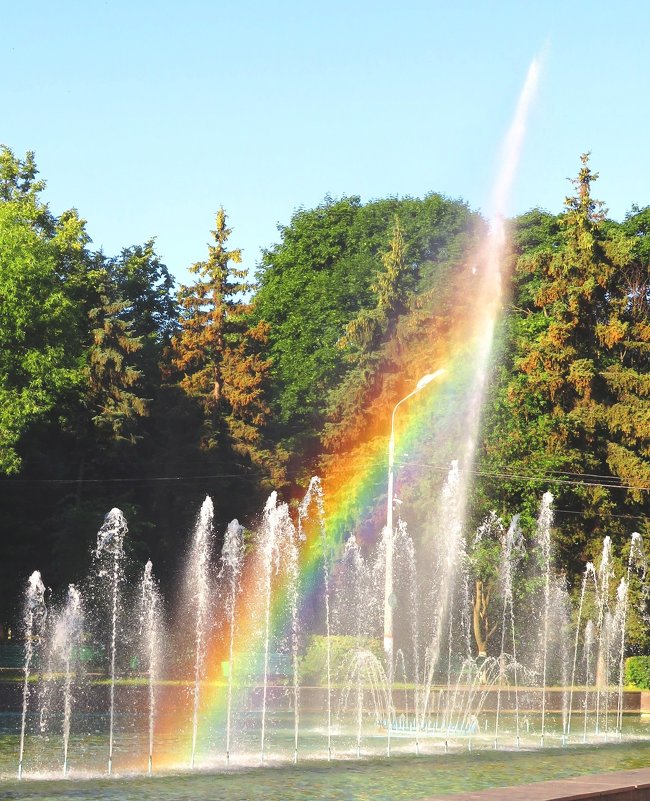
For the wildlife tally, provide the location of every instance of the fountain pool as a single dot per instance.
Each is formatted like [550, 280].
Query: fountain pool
[380, 778]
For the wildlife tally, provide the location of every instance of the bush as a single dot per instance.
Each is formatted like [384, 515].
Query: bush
[637, 672]
[313, 666]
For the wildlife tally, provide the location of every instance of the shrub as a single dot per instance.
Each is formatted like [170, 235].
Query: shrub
[313, 667]
[637, 672]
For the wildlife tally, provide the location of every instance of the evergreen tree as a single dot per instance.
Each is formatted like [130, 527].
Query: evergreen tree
[574, 397]
[211, 312]
[146, 286]
[624, 337]
[112, 382]
[218, 353]
[365, 332]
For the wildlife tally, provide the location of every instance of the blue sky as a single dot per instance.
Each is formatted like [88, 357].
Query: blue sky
[149, 116]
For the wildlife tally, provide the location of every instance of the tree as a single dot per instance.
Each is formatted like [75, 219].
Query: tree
[625, 339]
[218, 353]
[39, 325]
[146, 287]
[211, 312]
[111, 395]
[365, 332]
[363, 338]
[573, 396]
[485, 562]
[323, 276]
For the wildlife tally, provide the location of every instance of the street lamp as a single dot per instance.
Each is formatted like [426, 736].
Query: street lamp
[389, 596]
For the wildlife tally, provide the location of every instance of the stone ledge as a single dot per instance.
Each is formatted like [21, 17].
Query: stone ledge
[628, 785]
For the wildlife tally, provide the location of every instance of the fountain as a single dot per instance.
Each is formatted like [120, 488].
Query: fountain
[233, 669]
[290, 590]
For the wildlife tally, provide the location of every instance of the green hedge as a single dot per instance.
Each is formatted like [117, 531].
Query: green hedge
[637, 672]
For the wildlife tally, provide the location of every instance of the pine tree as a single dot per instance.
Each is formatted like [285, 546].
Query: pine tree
[112, 382]
[219, 354]
[210, 316]
[625, 340]
[592, 358]
[576, 394]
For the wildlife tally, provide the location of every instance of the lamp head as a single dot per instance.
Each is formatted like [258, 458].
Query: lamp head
[426, 379]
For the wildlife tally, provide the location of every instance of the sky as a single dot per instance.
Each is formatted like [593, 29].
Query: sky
[149, 116]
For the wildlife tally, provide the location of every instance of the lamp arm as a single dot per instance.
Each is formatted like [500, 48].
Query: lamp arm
[397, 405]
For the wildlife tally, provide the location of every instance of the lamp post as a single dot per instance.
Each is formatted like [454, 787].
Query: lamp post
[389, 596]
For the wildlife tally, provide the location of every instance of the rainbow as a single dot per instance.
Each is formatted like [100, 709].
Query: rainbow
[445, 413]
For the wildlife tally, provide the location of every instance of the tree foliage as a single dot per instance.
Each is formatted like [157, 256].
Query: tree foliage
[218, 353]
[112, 382]
[572, 394]
[231, 388]
[38, 352]
[332, 291]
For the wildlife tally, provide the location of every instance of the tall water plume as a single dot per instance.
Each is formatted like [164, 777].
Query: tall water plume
[34, 617]
[589, 575]
[68, 633]
[605, 577]
[544, 523]
[109, 556]
[352, 617]
[314, 495]
[150, 636]
[618, 644]
[291, 555]
[198, 585]
[276, 539]
[637, 563]
[232, 556]
[512, 551]
[588, 647]
[407, 576]
[382, 576]
[489, 260]
[450, 554]
[561, 627]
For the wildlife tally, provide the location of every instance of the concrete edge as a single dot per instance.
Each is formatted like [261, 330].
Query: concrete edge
[628, 785]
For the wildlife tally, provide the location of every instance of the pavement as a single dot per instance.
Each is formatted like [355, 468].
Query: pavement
[627, 785]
